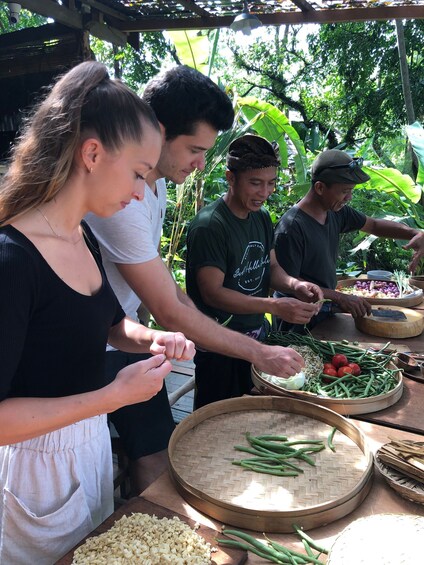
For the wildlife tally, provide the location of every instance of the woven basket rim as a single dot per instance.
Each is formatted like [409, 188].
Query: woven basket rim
[403, 485]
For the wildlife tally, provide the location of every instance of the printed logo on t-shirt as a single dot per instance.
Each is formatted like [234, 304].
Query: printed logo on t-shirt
[251, 271]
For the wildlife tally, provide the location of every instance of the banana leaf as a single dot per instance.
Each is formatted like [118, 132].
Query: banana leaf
[415, 133]
[192, 48]
[392, 180]
[269, 122]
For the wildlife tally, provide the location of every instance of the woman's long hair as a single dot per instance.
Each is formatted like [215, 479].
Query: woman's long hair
[83, 99]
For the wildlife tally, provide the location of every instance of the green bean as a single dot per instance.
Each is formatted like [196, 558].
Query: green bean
[303, 441]
[285, 551]
[330, 439]
[246, 547]
[369, 384]
[277, 472]
[274, 552]
[311, 542]
[307, 548]
[273, 438]
[254, 542]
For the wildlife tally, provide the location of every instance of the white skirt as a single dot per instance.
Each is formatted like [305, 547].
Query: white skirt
[55, 489]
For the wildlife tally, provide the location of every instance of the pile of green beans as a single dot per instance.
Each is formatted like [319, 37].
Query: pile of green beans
[272, 454]
[376, 377]
[273, 551]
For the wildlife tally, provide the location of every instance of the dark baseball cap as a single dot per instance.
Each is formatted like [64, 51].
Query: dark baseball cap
[333, 166]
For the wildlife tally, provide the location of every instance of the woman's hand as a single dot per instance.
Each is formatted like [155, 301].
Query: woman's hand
[172, 344]
[139, 381]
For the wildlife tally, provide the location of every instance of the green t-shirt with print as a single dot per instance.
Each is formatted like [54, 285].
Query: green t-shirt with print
[240, 248]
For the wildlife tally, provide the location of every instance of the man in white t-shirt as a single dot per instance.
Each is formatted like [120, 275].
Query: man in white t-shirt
[191, 110]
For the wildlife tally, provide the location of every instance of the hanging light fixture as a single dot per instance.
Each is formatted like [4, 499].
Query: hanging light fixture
[245, 21]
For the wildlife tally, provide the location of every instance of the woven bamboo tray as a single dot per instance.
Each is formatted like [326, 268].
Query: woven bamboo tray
[344, 406]
[201, 450]
[403, 485]
[381, 539]
[409, 301]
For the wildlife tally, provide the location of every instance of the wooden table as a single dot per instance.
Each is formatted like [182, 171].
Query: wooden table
[381, 499]
[342, 326]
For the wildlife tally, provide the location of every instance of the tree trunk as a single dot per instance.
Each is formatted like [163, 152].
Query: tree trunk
[406, 88]
[404, 72]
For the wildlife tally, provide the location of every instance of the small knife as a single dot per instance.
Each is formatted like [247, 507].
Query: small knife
[395, 315]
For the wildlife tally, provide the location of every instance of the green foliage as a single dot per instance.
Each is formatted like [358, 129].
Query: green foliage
[26, 19]
[267, 121]
[358, 70]
[136, 68]
[415, 134]
[192, 48]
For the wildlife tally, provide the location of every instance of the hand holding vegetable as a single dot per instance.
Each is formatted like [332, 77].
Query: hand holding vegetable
[279, 361]
[307, 292]
[355, 305]
[293, 310]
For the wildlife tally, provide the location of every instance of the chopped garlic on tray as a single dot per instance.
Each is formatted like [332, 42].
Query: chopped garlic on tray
[141, 539]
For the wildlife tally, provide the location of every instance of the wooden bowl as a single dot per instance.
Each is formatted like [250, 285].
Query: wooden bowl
[408, 301]
[417, 281]
[384, 327]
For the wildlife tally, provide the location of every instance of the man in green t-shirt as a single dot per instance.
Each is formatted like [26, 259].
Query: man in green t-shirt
[231, 267]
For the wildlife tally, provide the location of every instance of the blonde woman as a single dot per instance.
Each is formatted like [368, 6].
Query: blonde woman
[87, 148]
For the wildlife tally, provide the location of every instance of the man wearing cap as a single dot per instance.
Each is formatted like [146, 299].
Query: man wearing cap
[231, 266]
[307, 235]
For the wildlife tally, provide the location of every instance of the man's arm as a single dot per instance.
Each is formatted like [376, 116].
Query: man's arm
[210, 281]
[398, 230]
[355, 305]
[155, 287]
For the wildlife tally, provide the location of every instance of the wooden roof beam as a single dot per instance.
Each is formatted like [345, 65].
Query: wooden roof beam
[281, 18]
[73, 19]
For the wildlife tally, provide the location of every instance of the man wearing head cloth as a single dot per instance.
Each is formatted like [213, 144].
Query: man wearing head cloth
[231, 267]
[307, 235]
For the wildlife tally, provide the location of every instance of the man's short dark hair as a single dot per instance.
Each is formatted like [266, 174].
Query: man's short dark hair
[182, 97]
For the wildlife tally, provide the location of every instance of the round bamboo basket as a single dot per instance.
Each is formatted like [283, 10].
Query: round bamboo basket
[409, 301]
[412, 326]
[344, 406]
[405, 486]
[380, 539]
[201, 451]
